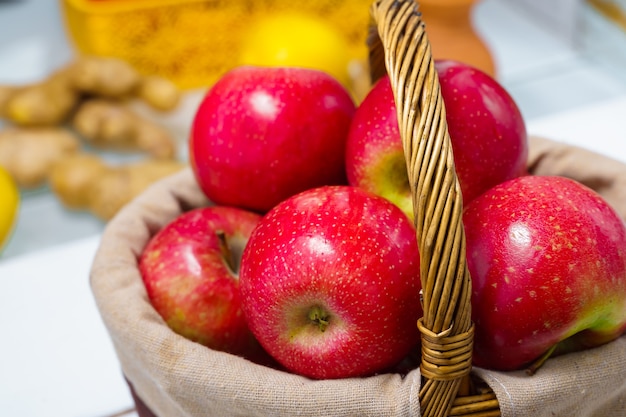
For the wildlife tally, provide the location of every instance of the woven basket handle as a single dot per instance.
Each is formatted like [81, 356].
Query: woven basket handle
[399, 47]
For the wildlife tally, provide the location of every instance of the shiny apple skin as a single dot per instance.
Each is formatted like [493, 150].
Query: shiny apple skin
[486, 127]
[262, 134]
[374, 152]
[547, 257]
[487, 132]
[190, 284]
[348, 253]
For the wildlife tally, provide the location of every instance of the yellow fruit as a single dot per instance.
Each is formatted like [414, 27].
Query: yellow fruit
[9, 205]
[297, 40]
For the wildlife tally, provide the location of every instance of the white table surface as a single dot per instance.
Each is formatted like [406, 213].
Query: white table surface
[56, 359]
[600, 127]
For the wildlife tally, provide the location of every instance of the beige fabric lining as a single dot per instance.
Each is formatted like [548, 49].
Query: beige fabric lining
[179, 378]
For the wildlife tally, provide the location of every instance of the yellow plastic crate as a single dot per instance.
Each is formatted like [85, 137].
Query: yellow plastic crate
[193, 42]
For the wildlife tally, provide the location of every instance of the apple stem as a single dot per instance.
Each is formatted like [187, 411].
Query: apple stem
[532, 369]
[227, 254]
[319, 316]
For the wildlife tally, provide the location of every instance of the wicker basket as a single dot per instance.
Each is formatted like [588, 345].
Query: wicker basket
[177, 377]
[399, 47]
[192, 42]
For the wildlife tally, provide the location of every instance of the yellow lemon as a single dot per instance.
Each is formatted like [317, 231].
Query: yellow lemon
[297, 40]
[9, 205]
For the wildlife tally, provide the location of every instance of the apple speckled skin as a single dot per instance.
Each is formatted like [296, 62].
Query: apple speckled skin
[330, 281]
[547, 257]
[190, 283]
[374, 153]
[486, 129]
[262, 134]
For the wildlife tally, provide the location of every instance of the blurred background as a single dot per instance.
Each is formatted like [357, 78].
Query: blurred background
[67, 163]
[551, 56]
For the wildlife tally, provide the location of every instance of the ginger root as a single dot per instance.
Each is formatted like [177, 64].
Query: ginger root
[84, 181]
[47, 103]
[6, 91]
[122, 184]
[113, 78]
[109, 125]
[28, 154]
[72, 177]
[88, 101]
[159, 93]
[53, 100]
[104, 77]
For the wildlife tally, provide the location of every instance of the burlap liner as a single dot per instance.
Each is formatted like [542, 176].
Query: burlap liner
[179, 378]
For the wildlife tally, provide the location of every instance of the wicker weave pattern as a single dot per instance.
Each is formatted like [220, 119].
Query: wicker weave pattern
[447, 330]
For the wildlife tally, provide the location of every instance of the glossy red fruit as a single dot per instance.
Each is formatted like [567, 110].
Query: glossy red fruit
[262, 134]
[486, 127]
[487, 132]
[374, 152]
[190, 270]
[330, 282]
[547, 258]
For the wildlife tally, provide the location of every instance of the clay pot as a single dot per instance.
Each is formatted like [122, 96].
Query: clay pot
[452, 35]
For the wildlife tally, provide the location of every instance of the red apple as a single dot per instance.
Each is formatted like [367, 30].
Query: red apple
[330, 281]
[486, 128]
[262, 134]
[374, 152]
[190, 270]
[547, 257]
